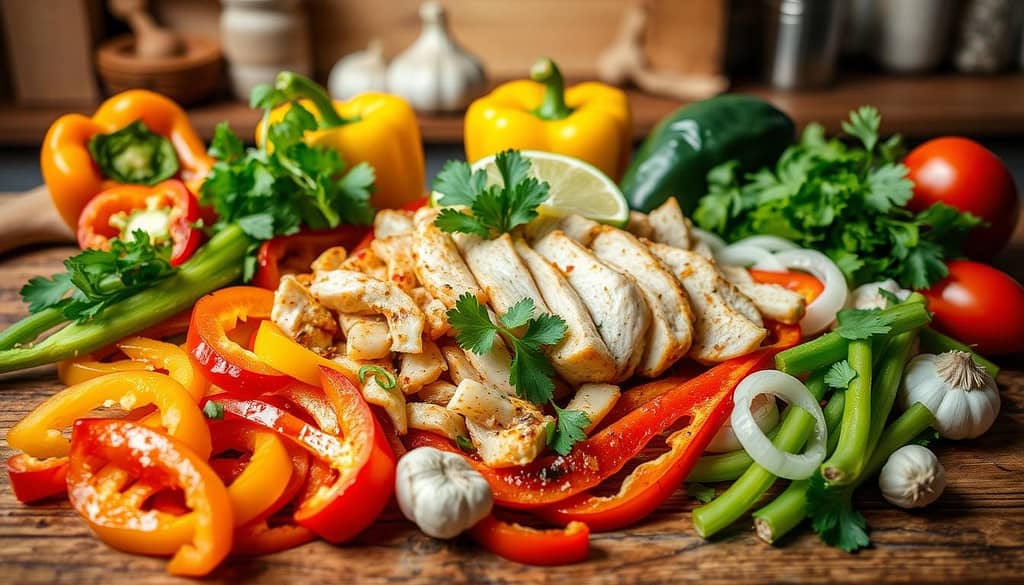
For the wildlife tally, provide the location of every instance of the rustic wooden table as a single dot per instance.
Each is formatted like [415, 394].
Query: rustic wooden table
[973, 534]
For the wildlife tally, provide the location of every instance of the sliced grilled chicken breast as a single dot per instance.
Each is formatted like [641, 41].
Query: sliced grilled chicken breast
[671, 332]
[722, 332]
[582, 355]
[392, 222]
[498, 269]
[299, 315]
[639, 224]
[347, 291]
[438, 265]
[670, 226]
[773, 301]
[613, 300]
[367, 337]
[575, 226]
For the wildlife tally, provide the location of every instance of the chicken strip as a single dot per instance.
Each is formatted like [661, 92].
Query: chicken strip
[396, 251]
[773, 301]
[299, 315]
[500, 272]
[671, 332]
[722, 332]
[582, 355]
[613, 300]
[575, 226]
[435, 312]
[367, 337]
[639, 225]
[392, 222]
[438, 265]
[365, 261]
[347, 291]
[670, 226]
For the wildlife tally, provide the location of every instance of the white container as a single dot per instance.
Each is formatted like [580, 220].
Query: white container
[263, 37]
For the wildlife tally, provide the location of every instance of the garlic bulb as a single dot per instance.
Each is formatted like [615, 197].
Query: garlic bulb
[435, 74]
[359, 72]
[912, 477]
[866, 296]
[961, 395]
[441, 492]
[766, 415]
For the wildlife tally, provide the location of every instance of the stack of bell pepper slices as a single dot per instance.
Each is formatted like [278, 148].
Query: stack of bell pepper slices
[340, 460]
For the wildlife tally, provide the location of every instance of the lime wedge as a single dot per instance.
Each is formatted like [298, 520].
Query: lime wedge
[575, 187]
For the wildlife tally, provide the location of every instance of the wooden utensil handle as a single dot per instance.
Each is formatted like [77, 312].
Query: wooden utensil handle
[29, 218]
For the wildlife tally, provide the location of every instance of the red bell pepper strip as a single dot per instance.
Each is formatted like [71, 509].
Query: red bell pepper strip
[799, 282]
[363, 462]
[223, 361]
[554, 479]
[293, 254]
[115, 448]
[530, 546]
[167, 211]
[34, 479]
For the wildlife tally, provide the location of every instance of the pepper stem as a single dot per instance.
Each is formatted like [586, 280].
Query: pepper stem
[553, 107]
[959, 370]
[296, 86]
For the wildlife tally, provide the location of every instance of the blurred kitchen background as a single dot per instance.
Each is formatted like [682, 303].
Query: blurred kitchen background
[932, 67]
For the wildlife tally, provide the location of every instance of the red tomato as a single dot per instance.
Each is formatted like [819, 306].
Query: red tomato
[980, 305]
[966, 175]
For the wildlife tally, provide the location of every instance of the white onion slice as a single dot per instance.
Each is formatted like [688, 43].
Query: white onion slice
[746, 255]
[712, 240]
[770, 243]
[822, 311]
[765, 412]
[753, 439]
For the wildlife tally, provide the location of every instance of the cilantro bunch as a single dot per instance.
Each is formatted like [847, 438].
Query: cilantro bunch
[847, 201]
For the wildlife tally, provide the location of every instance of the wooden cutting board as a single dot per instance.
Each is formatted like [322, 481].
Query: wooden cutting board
[973, 534]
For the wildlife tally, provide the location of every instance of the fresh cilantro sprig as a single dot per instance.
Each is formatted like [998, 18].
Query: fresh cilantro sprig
[531, 371]
[97, 279]
[496, 209]
[857, 324]
[840, 375]
[848, 201]
[833, 516]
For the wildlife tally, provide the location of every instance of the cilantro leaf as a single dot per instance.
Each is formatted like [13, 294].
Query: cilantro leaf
[519, 314]
[864, 124]
[833, 516]
[857, 324]
[464, 443]
[213, 410]
[888, 187]
[531, 372]
[702, 493]
[496, 209]
[568, 429]
[840, 375]
[545, 329]
[41, 293]
[226, 145]
[472, 324]
[258, 225]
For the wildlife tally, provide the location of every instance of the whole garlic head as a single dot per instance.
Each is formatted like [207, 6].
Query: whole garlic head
[912, 477]
[359, 72]
[435, 74]
[960, 394]
[441, 492]
[866, 296]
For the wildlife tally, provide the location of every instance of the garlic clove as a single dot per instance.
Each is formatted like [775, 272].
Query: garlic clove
[359, 72]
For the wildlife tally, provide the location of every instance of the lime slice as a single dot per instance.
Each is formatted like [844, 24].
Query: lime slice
[575, 187]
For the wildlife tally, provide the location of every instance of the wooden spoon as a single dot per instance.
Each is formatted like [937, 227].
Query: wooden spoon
[30, 218]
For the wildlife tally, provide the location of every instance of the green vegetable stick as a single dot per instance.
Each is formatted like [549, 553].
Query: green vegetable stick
[845, 464]
[887, 384]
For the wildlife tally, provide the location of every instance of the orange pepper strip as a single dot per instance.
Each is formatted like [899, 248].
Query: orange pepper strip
[144, 354]
[265, 476]
[38, 434]
[98, 444]
[530, 546]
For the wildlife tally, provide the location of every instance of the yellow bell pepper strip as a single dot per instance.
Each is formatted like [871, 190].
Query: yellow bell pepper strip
[136, 136]
[39, 433]
[266, 474]
[143, 354]
[590, 121]
[119, 519]
[379, 129]
[276, 349]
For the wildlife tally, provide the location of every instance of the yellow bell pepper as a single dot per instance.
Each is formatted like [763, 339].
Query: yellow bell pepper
[376, 128]
[589, 121]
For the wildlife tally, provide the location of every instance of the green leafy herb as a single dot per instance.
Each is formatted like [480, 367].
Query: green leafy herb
[463, 442]
[568, 430]
[857, 324]
[496, 209]
[848, 201]
[134, 154]
[833, 516]
[97, 279]
[385, 379]
[702, 493]
[891, 299]
[213, 410]
[840, 375]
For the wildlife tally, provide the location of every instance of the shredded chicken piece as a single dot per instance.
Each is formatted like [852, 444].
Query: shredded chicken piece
[670, 227]
[596, 401]
[639, 224]
[439, 392]
[435, 312]
[459, 366]
[438, 265]
[419, 369]
[346, 291]
[298, 314]
[392, 222]
[330, 259]
[575, 226]
[436, 419]
[367, 337]
[365, 261]
[506, 430]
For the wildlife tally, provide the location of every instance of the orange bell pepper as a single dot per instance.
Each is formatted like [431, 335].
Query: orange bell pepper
[143, 354]
[530, 546]
[261, 537]
[266, 474]
[72, 174]
[158, 460]
[34, 479]
[38, 434]
[798, 282]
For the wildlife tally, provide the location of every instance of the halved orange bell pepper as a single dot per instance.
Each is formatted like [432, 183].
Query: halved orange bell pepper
[39, 433]
[266, 473]
[379, 129]
[223, 361]
[143, 354]
[117, 517]
[293, 254]
[590, 121]
[530, 546]
[34, 479]
[73, 175]
[363, 464]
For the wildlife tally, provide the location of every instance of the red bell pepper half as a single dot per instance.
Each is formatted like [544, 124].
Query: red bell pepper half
[341, 504]
[530, 546]
[167, 211]
[293, 254]
[34, 479]
[222, 360]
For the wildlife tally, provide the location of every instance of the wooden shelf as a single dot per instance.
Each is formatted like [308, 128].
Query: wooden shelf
[914, 106]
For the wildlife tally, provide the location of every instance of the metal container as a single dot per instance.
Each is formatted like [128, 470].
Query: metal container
[803, 39]
[913, 35]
